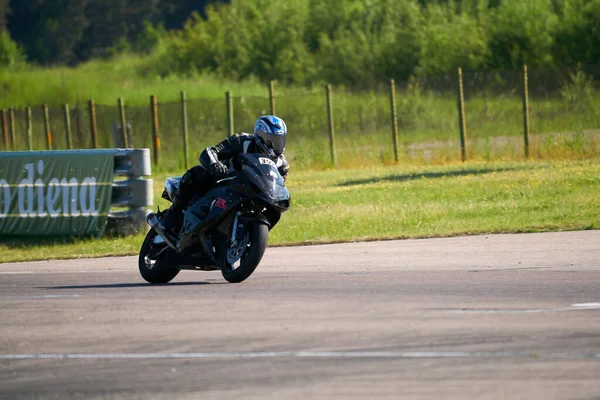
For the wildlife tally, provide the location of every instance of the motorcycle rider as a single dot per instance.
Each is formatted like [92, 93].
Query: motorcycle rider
[269, 138]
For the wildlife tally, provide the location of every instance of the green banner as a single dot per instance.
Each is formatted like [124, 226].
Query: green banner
[55, 192]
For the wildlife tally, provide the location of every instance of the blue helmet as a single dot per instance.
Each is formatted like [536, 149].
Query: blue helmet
[269, 134]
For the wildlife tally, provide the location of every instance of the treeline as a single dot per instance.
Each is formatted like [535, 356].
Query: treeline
[72, 31]
[358, 42]
[350, 42]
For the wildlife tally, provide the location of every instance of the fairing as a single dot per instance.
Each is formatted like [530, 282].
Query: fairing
[263, 174]
[259, 181]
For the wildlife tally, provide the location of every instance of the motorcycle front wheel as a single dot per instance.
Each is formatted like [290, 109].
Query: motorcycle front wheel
[239, 262]
[154, 271]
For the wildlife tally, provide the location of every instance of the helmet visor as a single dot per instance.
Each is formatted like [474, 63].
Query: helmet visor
[276, 143]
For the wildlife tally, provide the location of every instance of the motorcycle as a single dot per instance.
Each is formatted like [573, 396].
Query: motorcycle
[226, 230]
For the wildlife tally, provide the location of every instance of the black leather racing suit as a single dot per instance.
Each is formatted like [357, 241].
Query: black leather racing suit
[197, 180]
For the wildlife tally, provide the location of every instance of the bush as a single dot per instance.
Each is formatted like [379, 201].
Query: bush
[578, 91]
[10, 53]
[150, 37]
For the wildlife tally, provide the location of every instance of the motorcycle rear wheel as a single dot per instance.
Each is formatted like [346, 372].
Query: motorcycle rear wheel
[251, 256]
[154, 271]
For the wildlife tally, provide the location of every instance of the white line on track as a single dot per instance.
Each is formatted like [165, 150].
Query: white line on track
[65, 272]
[586, 305]
[573, 307]
[307, 354]
[16, 272]
[47, 296]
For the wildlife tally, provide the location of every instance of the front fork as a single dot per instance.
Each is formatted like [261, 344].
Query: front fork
[234, 239]
[238, 224]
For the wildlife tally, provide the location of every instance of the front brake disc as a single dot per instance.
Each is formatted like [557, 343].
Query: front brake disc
[235, 253]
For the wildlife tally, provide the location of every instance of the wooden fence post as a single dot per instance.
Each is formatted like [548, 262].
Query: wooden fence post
[394, 118]
[331, 125]
[526, 111]
[123, 119]
[272, 96]
[68, 132]
[77, 117]
[5, 130]
[184, 129]
[29, 127]
[461, 116]
[229, 108]
[93, 126]
[155, 137]
[47, 127]
[11, 122]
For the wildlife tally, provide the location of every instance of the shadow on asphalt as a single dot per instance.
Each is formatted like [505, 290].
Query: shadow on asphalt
[430, 175]
[130, 285]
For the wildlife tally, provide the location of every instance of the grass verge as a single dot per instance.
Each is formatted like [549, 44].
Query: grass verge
[106, 81]
[397, 202]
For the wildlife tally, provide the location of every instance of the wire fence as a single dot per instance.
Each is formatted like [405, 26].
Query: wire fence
[507, 115]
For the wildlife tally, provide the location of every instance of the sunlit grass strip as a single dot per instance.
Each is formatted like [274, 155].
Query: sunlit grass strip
[398, 202]
[475, 198]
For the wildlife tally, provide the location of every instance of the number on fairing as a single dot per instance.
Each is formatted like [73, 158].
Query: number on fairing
[266, 161]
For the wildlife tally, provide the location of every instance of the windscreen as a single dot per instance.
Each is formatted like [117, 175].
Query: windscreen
[262, 172]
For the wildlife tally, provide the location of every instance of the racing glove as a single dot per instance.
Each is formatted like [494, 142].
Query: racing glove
[218, 170]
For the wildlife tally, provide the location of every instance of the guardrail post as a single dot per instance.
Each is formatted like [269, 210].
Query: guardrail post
[133, 192]
[68, 126]
[47, 127]
[526, 111]
[331, 125]
[29, 127]
[184, 129]
[123, 120]
[394, 118]
[13, 136]
[93, 127]
[461, 116]
[155, 137]
[5, 130]
[272, 96]
[229, 107]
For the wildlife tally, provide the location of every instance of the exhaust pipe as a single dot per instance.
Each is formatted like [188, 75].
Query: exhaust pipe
[154, 223]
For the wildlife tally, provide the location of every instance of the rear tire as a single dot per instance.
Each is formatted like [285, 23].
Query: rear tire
[259, 235]
[157, 271]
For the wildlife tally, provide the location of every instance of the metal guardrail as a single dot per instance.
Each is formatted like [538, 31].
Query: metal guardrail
[133, 193]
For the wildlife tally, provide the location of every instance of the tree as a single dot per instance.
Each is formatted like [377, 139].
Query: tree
[114, 24]
[68, 31]
[4, 12]
[176, 12]
[451, 39]
[48, 29]
[522, 32]
[372, 40]
[578, 35]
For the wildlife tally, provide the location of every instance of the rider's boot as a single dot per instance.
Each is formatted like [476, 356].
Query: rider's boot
[171, 223]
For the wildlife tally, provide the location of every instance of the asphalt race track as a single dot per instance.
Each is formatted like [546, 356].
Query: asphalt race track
[494, 316]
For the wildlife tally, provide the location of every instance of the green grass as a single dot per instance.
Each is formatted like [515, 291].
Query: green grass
[106, 81]
[442, 201]
[398, 202]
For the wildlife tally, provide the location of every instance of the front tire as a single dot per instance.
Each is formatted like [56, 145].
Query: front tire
[154, 271]
[251, 256]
